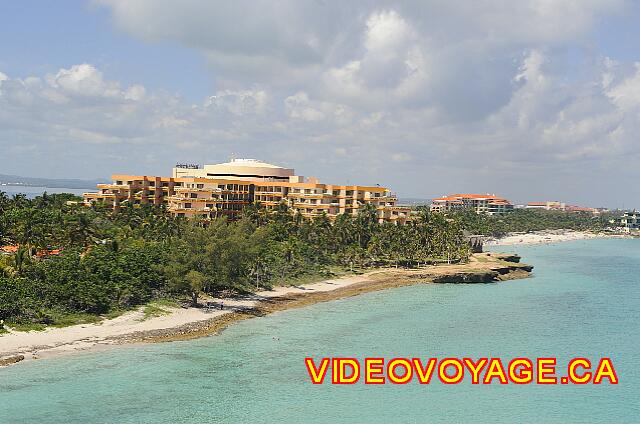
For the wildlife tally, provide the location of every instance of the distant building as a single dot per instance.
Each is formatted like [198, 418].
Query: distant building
[488, 204]
[561, 206]
[548, 205]
[630, 221]
[9, 250]
[226, 189]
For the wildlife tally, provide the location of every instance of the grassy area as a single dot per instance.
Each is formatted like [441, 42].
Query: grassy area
[158, 308]
[115, 313]
[59, 320]
[152, 309]
[329, 274]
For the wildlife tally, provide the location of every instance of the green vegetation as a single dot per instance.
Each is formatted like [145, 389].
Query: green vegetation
[111, 262]
[527, 220]
[158, 308]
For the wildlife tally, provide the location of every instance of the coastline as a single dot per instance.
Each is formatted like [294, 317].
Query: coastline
[548, 236]
[190, 323]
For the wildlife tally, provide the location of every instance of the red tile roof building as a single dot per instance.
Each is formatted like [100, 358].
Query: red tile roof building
[489, 204]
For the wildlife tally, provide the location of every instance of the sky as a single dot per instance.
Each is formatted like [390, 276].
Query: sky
[531, 100]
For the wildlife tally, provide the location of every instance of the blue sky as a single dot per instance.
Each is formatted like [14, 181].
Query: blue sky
[532, 100]
[41, 37]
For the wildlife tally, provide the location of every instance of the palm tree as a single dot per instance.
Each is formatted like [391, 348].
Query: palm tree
[81, 230]
[12, 265]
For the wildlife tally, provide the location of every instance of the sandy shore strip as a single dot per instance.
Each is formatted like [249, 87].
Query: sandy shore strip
[547, 236]
[181, 323]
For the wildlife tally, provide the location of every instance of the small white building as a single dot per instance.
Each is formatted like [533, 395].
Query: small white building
[630, 221]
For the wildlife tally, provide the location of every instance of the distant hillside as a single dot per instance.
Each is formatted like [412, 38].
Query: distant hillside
[15, 180]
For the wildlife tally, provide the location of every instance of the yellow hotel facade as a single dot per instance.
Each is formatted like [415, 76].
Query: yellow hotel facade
[226, 189]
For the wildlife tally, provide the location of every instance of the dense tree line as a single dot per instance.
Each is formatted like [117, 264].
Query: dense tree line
[527, 220]
[111, 261]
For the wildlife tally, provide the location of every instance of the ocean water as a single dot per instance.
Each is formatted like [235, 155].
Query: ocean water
[34, 191]
[583, 300]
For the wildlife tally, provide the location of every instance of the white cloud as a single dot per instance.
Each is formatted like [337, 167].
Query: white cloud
[481, 94]
[135, 92]
[626, 95]
[83, 80]
[298, 107]
[239, 102]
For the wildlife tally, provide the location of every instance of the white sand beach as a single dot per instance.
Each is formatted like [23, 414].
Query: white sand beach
[184, 323]
[55, 341]
[548, 236]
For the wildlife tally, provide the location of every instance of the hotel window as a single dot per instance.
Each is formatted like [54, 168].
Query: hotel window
[194, 196]
[187, 205]
[200, 185]
[118, 182]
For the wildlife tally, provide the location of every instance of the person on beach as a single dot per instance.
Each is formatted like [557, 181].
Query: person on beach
[221, 305]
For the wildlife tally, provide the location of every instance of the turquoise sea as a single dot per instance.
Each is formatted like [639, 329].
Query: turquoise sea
[583, 300]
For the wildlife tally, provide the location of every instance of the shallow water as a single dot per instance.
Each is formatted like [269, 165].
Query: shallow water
[583, 300]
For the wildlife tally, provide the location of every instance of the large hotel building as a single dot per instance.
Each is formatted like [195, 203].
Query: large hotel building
[488, 204]
[226, 189]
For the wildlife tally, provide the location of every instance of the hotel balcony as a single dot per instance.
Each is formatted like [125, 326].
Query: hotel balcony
[311, 195]
[113, 186]
[198, 190]
[98, 196]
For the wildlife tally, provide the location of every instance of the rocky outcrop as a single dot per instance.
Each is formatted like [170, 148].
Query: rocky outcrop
[467, 277]
[483, 268]
[507, 257]
[8, 360]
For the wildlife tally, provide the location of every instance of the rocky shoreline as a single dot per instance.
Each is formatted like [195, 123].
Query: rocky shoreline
[507, 267]
[482, 268]
[489, 268]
